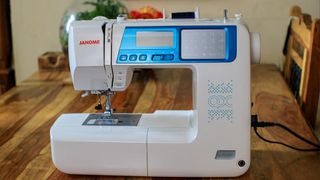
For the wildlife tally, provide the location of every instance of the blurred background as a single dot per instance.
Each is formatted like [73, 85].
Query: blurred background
[35, 23]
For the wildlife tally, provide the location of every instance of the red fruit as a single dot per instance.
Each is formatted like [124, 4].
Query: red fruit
[146, 16]
[158, 15]
[135, 14]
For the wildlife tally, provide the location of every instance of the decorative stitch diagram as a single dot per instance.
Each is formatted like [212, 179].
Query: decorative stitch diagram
[220, 100]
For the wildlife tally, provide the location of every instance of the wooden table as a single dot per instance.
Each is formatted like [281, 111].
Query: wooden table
[28, 111]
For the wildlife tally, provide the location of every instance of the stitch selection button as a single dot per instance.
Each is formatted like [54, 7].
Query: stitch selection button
[167, 57]
[143, 57]
[157, 57]
[133, 57]
[123, 58]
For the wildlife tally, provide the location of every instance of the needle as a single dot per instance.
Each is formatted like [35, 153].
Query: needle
[108, 110]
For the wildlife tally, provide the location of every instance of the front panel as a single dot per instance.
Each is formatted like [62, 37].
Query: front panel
[178, 44]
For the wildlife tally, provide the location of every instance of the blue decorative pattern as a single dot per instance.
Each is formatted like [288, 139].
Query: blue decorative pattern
[220, 100]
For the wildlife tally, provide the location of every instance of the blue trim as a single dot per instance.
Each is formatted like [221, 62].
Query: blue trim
[128, 46]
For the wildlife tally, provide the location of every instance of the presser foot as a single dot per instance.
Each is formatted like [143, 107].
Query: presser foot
[108, 110]
[108, 93]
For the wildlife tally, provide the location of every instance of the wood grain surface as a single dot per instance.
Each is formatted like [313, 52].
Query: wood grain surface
[28, 111]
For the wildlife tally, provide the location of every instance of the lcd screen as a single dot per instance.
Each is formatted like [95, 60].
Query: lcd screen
[203, 44]
[154, 39]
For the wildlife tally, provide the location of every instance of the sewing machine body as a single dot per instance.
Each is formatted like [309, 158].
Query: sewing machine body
[213, 139]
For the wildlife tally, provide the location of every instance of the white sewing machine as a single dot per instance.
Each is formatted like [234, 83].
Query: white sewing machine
[213, 139]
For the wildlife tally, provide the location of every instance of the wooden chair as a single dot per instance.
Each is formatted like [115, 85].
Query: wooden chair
[302, 64]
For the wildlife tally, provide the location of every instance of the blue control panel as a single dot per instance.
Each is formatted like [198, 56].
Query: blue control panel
[178, 44]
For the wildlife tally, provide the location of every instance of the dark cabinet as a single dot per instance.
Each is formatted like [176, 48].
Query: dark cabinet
[7, 79]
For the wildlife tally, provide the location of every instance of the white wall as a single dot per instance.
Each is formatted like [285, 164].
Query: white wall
[35, 23]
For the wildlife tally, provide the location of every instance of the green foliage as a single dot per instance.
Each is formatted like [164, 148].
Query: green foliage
[108, 8]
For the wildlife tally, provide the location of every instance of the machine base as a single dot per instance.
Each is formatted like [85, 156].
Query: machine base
[160, 144]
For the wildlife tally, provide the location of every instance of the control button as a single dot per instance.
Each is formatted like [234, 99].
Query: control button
[157, 57]
[123, 58]
[162, 57]
[168, 57]
[133, 57]
[119, 77]
[118, 85]
[143, 57]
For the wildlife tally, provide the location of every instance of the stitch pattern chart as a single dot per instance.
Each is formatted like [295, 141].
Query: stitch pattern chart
[220, 101]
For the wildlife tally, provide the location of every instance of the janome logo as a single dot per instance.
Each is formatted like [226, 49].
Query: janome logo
[89, 42]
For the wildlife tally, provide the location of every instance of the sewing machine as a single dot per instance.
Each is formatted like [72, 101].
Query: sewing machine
[213, 139]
